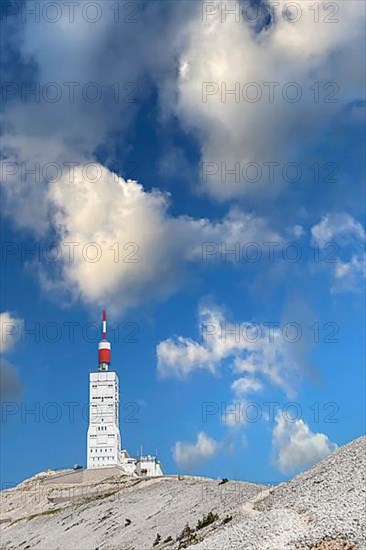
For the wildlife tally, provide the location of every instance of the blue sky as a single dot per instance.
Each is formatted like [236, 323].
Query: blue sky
[179, 216]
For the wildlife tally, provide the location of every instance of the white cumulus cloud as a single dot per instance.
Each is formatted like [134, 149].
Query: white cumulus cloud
[296, 447]
[116, 243]
[340, 227]
[188, 455]
[226, 71]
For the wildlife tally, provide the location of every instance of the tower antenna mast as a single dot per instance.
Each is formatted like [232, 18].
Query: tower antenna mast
[104, 347]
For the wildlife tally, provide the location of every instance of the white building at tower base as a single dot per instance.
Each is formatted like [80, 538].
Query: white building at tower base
[142, 466]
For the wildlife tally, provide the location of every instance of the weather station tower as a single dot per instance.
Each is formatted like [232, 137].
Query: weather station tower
[104, 439]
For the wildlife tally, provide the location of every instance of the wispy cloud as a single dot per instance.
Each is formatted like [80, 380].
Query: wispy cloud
[256, 352]
[345, 239]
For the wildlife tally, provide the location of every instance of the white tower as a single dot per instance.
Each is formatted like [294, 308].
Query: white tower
[104, 440]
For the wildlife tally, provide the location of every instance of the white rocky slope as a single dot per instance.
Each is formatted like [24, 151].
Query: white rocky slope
[322, 509]
[118, 512]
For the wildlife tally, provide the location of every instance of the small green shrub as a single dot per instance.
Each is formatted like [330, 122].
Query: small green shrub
[46, 513]
[207, 520]
[187, 537]
[157, 540]
[187, 531]
[227, 519]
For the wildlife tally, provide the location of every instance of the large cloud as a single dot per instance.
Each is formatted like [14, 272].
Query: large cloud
[218, 52]
[117, 244]
[81, 82]
[296, 447]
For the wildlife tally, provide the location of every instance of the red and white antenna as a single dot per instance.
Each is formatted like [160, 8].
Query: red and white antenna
[104, 347]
